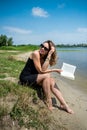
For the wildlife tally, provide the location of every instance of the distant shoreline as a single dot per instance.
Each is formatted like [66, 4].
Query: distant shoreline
[34, 45]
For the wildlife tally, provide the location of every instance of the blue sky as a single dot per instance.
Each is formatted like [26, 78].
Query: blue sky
[34, 21]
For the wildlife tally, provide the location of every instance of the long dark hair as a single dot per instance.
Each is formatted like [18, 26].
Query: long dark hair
[53, 58]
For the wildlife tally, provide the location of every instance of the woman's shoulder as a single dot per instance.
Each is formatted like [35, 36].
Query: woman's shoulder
[34, 53]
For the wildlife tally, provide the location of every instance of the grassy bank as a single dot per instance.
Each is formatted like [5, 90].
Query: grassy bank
[20, 105]
[20, 47]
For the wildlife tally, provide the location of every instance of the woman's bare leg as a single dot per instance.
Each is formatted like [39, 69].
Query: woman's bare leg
[47, 84]
[59, 96]
[43, 79]
[46, 87]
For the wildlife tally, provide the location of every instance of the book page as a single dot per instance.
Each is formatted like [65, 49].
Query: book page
[68, 71]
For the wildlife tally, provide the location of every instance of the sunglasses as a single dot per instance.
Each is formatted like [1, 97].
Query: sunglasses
[45, 48]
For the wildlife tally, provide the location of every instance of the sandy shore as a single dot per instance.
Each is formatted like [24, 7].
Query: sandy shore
[77, 100]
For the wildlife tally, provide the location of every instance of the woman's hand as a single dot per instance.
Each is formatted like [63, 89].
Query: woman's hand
[52, 50]
[59, 71]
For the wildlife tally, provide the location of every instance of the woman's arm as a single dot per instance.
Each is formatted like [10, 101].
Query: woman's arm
[46, 63]
[47, 60]
[36, 60]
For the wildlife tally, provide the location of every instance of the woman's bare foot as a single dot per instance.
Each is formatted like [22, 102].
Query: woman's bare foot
[49, 104]
[67, 109]
[51, 108]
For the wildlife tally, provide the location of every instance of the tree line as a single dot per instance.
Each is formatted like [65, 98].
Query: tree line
[5, 41]
[72, 45]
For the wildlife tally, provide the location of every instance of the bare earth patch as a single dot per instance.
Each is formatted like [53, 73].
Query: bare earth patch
[22, 57]
[2, 51]
[12, 79]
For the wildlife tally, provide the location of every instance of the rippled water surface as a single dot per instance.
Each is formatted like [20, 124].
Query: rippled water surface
[78, 57]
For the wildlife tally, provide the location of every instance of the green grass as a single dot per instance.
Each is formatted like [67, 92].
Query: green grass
[4, 88]
[3, 76]
[10, 66]
[20, 47]
[24, 110]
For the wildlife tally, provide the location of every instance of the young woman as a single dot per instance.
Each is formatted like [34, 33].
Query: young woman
[36, 72]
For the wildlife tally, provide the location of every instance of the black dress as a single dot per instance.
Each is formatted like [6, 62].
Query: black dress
[29, 73]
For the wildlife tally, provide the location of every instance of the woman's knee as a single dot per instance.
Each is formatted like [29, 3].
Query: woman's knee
[42, 77]
[46, 79]
[47, 75]
[52, 83]
[50, 80]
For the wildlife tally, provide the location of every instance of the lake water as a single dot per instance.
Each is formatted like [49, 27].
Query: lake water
[78, 57]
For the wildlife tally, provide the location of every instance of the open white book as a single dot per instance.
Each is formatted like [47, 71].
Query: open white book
[68, 71]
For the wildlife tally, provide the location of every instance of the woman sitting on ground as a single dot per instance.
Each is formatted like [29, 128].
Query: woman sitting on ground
[36, 72]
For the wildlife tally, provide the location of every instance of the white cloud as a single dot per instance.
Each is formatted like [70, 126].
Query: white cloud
[17, 30]
[82, 30]
[61, 5]
[37, 11]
